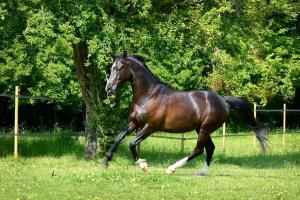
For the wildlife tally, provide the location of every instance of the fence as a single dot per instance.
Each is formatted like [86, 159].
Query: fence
[255, 111]
[17, 96]
[182, 138]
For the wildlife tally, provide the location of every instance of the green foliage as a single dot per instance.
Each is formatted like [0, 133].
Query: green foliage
[241, 48]
[39, 57]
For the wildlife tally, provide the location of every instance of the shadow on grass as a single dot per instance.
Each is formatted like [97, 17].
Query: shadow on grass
[64, 144]
[161, 158]
[157, 157]
[46, 145]
[261, 161]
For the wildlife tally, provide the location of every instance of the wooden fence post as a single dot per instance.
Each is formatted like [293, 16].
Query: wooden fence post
[254, 113]
[224, 133]
[16, 129]
[284, 125]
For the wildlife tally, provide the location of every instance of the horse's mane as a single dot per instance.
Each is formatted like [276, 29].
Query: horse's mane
[142, 60]
[138, 57]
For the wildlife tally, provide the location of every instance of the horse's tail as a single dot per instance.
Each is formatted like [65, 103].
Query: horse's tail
[245, 109]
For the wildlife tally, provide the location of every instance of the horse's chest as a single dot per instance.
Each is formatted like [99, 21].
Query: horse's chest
[139, 113]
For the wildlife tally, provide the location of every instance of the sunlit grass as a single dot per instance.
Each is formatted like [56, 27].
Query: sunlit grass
[52, 167]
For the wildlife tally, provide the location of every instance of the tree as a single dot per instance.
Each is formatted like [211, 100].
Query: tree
[63, 49]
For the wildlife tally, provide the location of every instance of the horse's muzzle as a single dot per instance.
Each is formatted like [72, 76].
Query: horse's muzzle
[110, 90]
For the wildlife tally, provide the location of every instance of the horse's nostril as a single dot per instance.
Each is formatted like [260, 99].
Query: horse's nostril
[108, 90]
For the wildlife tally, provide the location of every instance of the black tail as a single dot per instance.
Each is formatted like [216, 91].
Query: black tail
[245, 109]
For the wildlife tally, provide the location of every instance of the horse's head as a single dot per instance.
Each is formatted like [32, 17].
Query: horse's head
[119, 73]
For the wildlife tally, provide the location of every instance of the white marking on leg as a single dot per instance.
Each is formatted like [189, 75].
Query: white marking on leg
[171, 169]
[204, 170]
[143, 164]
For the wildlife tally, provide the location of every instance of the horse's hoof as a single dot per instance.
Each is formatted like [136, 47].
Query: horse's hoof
[143, 164]
[145, 168]
[105, 163]
[199, 174]
[170, 170]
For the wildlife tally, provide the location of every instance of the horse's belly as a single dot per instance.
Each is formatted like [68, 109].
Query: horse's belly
[180, 123]
[181, 129]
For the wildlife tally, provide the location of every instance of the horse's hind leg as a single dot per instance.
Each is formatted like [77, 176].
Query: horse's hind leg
[199, 149]
[209, 148]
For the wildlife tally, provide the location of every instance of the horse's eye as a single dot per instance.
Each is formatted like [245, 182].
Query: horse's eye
[120, 66]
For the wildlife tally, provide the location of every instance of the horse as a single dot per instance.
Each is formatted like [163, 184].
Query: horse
[156, 107]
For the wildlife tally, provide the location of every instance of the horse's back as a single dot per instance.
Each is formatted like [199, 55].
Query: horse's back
[213, 102]
[215, 110]
[182, 111]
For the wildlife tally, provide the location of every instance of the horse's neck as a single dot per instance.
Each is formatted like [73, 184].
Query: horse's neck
[143, 83]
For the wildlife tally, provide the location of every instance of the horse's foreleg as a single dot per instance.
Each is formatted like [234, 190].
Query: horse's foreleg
[199, 149]
[126, 131]
[143, 134]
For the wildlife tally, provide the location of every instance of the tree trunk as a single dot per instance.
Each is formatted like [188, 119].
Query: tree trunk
[80, 58]
[237, 7]
[90, 136]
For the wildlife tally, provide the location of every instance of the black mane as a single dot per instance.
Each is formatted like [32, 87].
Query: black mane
[138, 57]
[142, 60]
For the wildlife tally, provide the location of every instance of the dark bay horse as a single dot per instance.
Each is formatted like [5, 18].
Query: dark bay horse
[157, 107]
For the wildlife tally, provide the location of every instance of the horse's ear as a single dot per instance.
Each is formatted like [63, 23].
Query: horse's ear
[124, 54]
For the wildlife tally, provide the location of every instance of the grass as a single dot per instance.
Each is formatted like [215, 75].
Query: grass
[52, 167]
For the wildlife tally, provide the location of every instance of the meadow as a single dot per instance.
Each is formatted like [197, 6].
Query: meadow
[52, 166]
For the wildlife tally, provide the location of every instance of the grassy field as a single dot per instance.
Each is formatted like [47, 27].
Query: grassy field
[52, 167]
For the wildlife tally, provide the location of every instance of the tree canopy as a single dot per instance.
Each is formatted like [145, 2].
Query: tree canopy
[241, 48]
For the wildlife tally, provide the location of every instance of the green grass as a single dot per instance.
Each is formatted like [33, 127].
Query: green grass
[239, 173]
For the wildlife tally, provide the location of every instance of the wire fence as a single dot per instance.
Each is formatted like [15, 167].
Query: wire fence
[224, 135]
[26, 97]
[283, 111]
